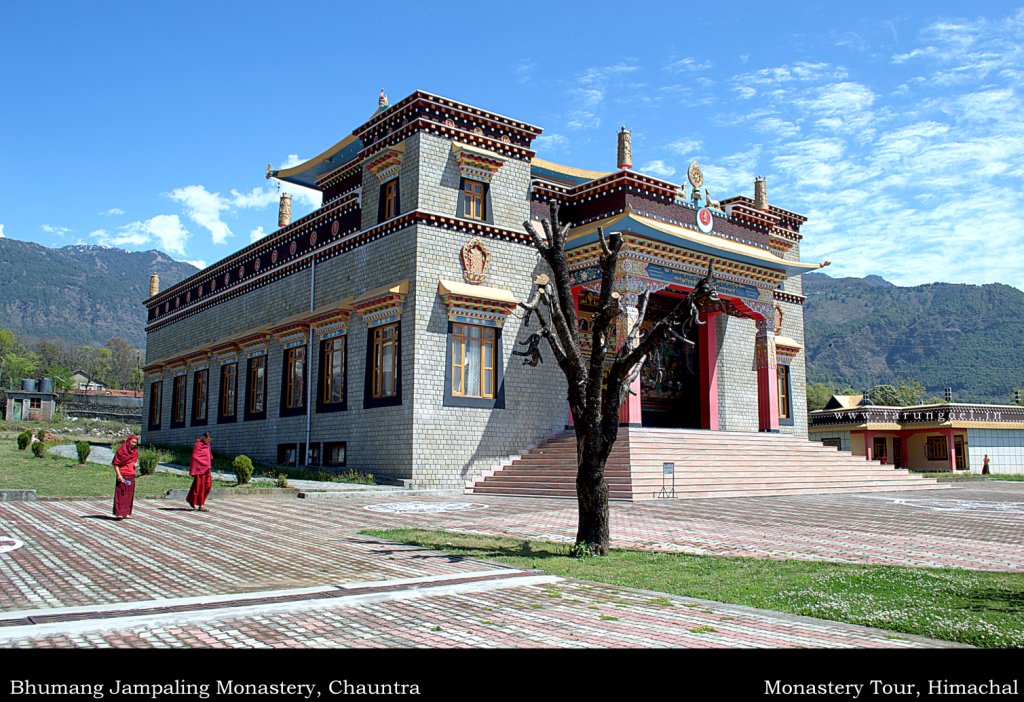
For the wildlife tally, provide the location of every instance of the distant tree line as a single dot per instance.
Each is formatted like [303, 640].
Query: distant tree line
[904, 393]
[116, 365]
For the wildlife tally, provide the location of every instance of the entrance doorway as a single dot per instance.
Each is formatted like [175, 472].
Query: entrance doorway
[670, 377]
[897, 452]
[961, 453]
[878, 451]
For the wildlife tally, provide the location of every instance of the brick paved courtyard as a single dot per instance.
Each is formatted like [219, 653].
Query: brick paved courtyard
[72, 556]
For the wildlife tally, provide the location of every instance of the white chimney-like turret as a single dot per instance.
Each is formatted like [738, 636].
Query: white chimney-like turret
[284, 211]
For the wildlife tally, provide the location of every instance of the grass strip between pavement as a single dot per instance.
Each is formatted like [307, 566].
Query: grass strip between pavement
[973, 607]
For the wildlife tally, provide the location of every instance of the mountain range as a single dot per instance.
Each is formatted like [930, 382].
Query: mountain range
[860, 332]
[82, 295]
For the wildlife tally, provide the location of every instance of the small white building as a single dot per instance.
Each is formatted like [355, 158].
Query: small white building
[936, 437]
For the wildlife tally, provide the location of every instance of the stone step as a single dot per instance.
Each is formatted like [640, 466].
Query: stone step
[706, 464]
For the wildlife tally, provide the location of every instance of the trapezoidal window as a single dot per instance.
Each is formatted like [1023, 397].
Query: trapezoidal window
[472, 371]
[474, 200]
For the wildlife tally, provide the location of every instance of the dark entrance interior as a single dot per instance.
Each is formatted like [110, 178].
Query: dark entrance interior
[670, 379]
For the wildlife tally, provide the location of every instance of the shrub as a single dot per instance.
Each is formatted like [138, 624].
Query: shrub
[243, 468]
[282, 480]
[41, 435]
[24, 439]
[115, 446]
[84, 449]
[148, 460]
[39, 449]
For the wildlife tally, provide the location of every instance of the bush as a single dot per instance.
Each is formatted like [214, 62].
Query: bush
[243, 468]
[148, 460]
[41, 435]
[282, 480]
[115, 446]
[24, 439]
[84, 449]
[39, 449]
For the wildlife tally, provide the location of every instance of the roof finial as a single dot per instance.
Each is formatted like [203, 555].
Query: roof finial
[760, 193]
[382, 101]
[284, 210]
[625, 160]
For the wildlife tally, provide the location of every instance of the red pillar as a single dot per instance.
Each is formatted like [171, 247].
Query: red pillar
[951, 449]
[767, 377]
[576, 304]
[630, 411]
[869, 448]
[709, 373]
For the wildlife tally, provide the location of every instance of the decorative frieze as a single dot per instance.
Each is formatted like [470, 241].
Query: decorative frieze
[386, 164]
[476, 164]
[476, 304]
[383, 305]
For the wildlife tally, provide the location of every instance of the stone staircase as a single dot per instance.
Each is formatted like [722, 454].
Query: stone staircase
[707, 464]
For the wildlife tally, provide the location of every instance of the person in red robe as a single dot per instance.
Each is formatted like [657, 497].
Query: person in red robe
[199, 469]
[124, 463]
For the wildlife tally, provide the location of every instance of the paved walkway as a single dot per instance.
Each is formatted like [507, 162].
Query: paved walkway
[287, 572]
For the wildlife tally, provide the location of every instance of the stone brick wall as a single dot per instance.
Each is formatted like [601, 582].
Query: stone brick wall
[737, 374]
[439, 175]
[379, 440]
[793, 327]
[452, 444]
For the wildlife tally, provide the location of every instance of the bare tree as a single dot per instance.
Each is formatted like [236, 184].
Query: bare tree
[598, 385]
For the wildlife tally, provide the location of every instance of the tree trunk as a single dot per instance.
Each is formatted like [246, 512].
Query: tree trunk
[592, 497]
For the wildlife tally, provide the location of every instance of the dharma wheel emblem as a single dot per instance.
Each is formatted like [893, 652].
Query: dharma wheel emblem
[694, 175]
[476, 259]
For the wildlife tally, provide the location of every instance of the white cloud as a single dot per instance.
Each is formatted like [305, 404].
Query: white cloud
[551, 143]
[292, 161]
[685, 147]
[204, 208]
[59, 231]
[688, 65]
[800, 72]
[1, 231]
[208, 209]
[198, 263]
[256, 234]
[166, 230]
[524, 71]
[658, 168]
[112, 212]
[745, 92]
[778, 128]
[256, 198]
[588, 97]
[581, 119]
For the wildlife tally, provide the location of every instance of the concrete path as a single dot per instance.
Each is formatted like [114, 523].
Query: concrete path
[296, 573]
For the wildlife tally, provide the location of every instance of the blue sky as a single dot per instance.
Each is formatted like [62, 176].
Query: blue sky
[897, 128]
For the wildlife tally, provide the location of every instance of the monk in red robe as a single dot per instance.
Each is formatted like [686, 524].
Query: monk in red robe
[199, 469]
[124, 463]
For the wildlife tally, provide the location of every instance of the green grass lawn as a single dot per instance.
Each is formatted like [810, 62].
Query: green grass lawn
[978, 608]
[63, 477]
[182, 455]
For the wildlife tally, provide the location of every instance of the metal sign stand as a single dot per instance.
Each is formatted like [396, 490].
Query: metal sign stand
[667, 469]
